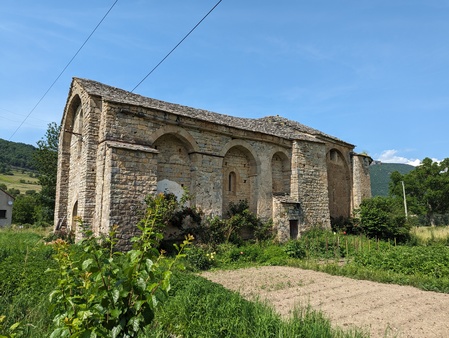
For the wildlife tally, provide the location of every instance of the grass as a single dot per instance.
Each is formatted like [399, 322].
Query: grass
[431, 234]
[20, 181]
[199, 308]
[195, 307]
[24, 287]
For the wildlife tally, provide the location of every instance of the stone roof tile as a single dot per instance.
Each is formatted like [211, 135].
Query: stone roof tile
[272, 125]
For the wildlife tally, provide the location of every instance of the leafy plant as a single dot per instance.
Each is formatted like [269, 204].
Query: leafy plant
[379, 217]
[200, 258]
[295, 249]
[105, 292]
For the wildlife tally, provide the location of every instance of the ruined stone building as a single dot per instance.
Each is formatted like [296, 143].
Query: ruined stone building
[117, 147]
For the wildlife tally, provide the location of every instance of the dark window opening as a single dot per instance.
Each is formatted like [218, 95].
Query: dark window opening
[293, 229]
[231, 182]
[2, 213]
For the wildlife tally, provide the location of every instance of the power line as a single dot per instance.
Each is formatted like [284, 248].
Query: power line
[62, 72]
[182, 40]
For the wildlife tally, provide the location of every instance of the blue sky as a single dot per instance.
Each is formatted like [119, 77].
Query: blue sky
[374, 73]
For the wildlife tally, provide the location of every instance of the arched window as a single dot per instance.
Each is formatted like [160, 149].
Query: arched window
[232, 182]
[77, 131]
[74, 216]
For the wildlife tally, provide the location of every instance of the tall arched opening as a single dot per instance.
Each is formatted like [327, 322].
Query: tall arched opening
[280, 174]
[239, 178]
[173, 164]
[339, 185]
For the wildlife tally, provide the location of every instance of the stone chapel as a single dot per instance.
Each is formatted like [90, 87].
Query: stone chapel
[116, 147]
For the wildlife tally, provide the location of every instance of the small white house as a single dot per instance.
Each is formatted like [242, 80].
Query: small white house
[6, 203]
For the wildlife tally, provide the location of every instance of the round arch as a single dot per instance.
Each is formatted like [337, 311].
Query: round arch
[339, 185]
[67, 123]
[246, 148]
[180, 133]
[240, 168]
[280, 173]
[176, 160]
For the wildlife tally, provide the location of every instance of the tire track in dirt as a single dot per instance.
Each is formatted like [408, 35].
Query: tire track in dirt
[385, 310]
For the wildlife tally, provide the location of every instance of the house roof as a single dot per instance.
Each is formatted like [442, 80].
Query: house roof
[3, 191]
[271, 125]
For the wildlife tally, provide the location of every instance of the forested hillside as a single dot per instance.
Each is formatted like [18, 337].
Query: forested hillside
[18, 155]
[380, 176]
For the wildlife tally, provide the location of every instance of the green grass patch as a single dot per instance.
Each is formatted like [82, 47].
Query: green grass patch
[24, 285]
[200, 308]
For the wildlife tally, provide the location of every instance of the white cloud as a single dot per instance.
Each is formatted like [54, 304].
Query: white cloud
[390, 156]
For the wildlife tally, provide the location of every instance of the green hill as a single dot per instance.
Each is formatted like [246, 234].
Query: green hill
[17, 155]
[380, 176]
[17, 172]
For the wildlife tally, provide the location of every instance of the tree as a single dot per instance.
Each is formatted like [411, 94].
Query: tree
[45, 160]
[25, 209]
[426, 187]
[381, 217]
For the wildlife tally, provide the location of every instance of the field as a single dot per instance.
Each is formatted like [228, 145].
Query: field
[381, 309]
[298, 289]
[20, 181]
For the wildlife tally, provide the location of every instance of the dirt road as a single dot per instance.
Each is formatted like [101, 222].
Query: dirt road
[385, 310]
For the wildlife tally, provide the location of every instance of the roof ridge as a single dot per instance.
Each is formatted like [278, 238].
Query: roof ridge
[272, 125]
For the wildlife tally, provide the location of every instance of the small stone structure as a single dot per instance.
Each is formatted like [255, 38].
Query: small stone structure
[117, 147]
[6, 204]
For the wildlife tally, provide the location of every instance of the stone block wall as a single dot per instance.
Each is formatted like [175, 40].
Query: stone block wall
[309, 182]
[362, 181]
[129, 172]
[130, 143]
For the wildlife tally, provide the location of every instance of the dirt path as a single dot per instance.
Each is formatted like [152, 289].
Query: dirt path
[385, 310]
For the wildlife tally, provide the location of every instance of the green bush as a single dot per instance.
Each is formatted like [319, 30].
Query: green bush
[381, 218]
[200, 258]
[295, 249]
[239, 226]
[104, 292]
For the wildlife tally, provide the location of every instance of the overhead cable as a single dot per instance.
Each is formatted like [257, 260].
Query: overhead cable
[62, 72]
[168, 54]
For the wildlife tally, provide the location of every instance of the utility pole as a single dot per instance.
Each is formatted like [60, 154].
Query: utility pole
[405, 200]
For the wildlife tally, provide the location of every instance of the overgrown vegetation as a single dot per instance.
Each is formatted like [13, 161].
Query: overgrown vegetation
[104, 292]
[24, 288]
[100, 292]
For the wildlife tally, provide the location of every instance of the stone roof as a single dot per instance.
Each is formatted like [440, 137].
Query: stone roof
[271, 125]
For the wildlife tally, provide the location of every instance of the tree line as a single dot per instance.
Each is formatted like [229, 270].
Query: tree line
[18, 155]
[38, 208]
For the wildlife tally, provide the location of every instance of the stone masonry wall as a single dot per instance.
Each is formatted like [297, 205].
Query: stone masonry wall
[309, 182]
[362, 182]
[278, 166]
[129, 177]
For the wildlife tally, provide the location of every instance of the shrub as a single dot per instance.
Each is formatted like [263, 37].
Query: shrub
[199, 258]
[380, 218]
[105, 292]
[240, 225]
[295, 249]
